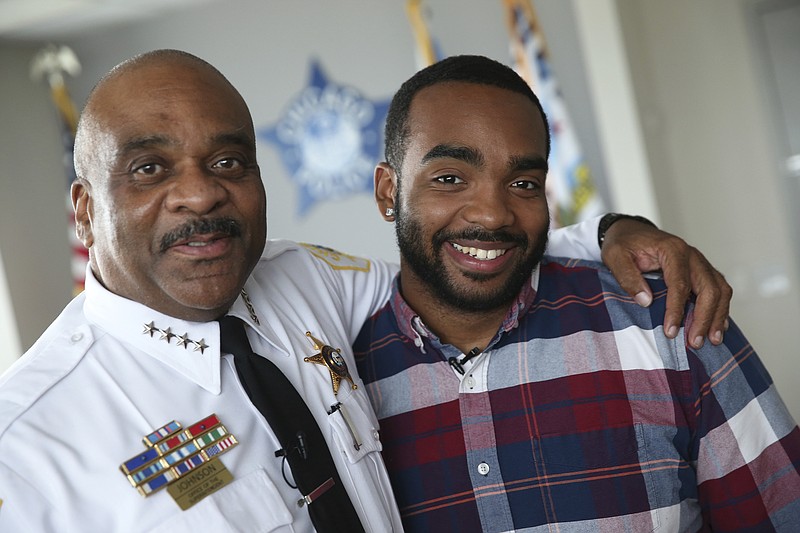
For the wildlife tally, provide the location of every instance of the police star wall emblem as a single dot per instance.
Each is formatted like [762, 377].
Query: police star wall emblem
[328, 137]
[184, 461]
[332, 359]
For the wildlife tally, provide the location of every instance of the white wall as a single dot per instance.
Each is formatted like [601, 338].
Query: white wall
[33, 188]
[715, 171]
[619, 129]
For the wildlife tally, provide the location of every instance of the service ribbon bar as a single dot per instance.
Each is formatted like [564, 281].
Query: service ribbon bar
[173, 452]
[150, 470]
[181, 453]
[212, 436]
[172, 442]
[190, 463]
[221, 446]
[158, 482]
[203, 426]
[161, 433]
[138, 462]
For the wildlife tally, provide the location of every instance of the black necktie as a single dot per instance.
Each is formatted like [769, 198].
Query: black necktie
[304, 447]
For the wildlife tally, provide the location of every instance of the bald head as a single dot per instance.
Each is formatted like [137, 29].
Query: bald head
[133, 79]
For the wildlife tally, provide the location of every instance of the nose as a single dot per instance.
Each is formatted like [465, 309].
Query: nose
[196, 189]
[488, 207]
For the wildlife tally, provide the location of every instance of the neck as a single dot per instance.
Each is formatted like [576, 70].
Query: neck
[465, 330]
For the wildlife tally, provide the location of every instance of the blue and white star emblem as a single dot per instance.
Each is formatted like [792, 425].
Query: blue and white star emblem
[329, 138]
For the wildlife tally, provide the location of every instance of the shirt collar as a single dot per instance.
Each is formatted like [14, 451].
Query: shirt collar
[411, 324]
[189, 348]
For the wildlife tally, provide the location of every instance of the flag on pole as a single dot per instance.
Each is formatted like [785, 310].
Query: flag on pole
[428, 50]
[571, 192]
[52, 63]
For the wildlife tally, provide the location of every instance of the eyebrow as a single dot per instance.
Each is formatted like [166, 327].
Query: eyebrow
[535, 162]
[238, 138]
[140, 143]
[149, 141]
[449, 151]
[475, 158]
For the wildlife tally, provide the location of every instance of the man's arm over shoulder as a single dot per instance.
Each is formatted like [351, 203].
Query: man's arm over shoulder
[577, 240]
[630, 245]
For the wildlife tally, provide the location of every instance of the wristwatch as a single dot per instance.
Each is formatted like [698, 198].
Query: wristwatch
[608, 220]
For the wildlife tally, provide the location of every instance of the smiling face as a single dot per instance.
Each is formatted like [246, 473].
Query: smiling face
[169, 199]
[471, 212]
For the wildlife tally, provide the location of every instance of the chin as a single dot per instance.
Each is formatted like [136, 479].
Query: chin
[204, 299]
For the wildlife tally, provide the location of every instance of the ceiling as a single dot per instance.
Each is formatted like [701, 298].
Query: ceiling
[38, 20]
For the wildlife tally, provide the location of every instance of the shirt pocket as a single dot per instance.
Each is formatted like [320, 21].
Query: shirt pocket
[594, 448]
[355, 430]
[611, 466]
[249, 504]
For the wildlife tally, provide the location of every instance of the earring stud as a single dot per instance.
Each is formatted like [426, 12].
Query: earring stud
[389, 212]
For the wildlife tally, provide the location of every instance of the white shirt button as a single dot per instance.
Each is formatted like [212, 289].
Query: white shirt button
[470, 381]
[483, 469]
[76, 337]
[376, 435]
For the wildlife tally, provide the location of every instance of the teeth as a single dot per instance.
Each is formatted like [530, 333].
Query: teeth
[479, 253]
[194, 243]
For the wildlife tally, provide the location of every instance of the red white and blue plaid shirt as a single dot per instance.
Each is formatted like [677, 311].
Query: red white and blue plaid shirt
[582, 415]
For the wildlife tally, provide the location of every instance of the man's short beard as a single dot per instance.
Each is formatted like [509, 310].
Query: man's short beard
[426, 262]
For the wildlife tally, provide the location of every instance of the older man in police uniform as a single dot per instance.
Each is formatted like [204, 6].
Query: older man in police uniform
[128, 414]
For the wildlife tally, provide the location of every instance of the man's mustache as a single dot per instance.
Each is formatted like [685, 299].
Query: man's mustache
[478, 234]
[224, 225]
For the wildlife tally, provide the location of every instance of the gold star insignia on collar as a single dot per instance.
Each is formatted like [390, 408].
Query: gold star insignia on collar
[167, 335]
[333, 360]
[150, 328]
[184, 340]
[200, 345]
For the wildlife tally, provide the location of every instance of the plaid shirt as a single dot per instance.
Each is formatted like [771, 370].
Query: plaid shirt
[580, 414]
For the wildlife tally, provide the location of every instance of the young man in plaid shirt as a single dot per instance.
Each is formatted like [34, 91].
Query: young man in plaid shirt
[517, 391]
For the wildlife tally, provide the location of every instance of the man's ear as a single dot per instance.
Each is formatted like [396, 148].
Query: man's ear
[80, 192]
[385, 190]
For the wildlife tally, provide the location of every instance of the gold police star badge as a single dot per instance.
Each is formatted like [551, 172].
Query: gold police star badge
[333, 360]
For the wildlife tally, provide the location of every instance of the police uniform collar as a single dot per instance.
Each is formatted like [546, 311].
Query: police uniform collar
[189, 348]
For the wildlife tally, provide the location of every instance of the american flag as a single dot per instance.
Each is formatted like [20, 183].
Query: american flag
[51, 64]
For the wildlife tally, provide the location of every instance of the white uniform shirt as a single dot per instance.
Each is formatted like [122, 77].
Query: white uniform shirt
[79, 402]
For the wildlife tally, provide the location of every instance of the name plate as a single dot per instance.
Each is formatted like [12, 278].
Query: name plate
[205, 480]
